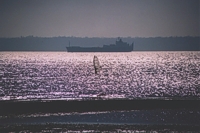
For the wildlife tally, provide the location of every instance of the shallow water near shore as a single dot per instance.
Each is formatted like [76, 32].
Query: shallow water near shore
[114, 121]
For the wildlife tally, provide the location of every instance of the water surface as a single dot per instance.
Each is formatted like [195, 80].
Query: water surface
[71, 76]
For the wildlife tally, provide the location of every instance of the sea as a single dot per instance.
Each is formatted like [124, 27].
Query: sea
[69, 76]
[63, 75]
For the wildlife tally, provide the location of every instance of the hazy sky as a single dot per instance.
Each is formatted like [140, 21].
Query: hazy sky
[99, 18]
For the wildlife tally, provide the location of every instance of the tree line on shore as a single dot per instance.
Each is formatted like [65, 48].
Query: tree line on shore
[31, 43]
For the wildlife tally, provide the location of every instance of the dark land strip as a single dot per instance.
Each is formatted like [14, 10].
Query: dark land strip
[62, 106]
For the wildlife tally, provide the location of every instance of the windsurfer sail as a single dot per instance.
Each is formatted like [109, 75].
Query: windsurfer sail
[96, 64]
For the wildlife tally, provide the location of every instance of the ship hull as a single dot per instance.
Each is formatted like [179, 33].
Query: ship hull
[98, 49]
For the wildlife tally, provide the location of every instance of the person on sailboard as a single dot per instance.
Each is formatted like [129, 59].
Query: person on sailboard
[96, 64]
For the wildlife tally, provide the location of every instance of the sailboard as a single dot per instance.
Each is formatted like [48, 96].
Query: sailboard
[96, 64]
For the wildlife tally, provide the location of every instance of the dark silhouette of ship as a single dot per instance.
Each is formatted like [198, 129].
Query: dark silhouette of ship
[119, 46]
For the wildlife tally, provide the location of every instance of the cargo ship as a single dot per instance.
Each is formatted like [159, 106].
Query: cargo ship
[119, 46]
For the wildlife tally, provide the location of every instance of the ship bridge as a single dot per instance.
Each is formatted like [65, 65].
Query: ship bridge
[119, 42]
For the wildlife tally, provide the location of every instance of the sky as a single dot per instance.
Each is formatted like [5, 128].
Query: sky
[99, 18]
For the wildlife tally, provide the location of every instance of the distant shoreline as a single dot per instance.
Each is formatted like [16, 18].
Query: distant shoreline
[31, 43]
